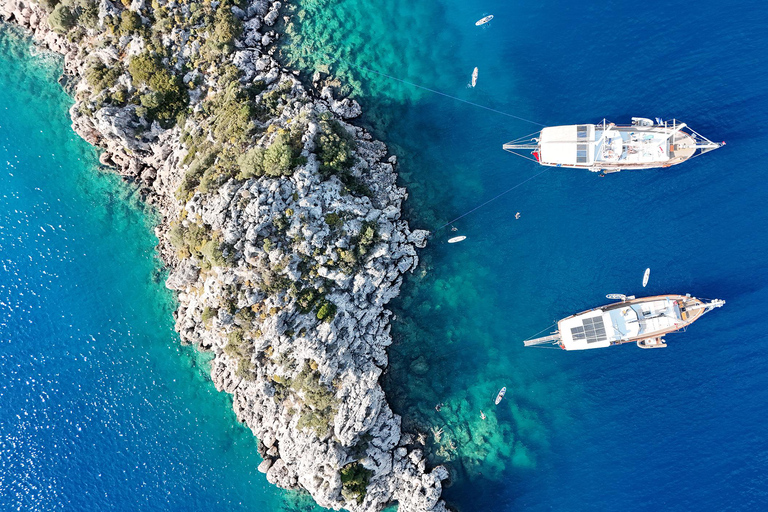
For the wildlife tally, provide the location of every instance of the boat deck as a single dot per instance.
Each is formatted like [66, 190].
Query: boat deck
[631, 145]
[644, 318]
[610, 147]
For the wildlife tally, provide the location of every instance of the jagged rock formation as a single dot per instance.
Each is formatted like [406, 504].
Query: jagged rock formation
[285, 241]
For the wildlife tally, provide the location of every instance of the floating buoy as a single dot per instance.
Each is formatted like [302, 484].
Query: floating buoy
[457, 239]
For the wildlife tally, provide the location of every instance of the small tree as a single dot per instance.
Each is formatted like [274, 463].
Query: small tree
[143, 66]
[354, 481]
[326, 311]
[129, 22]
[251, 164]
[62, 19]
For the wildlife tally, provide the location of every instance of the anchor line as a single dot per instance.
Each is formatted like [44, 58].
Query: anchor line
[541, 331]
[444, 94]
[494, 198]
[363, 68]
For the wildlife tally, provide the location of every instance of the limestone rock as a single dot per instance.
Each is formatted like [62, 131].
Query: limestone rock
[303, 228]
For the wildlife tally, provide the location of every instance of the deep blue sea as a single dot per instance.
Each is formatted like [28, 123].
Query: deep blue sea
[102, 409]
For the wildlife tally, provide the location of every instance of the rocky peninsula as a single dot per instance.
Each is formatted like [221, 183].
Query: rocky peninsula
[281, 227]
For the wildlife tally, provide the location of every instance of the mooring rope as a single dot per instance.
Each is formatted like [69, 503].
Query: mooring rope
[442, 93]
[326, 56]
[493, 199]
[310, 50]
[541, 331]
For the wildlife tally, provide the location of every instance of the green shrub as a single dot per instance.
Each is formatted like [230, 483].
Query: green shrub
[211, 251]
[271, 101]
[354, 481]
[209, 314]
[202, 160]
[245, 316]
[172, 93]
[320, 403]
[306, 299]
[280, 222]
[167, 96]
[250, 164]
[88, 13]
[49, 5]
[274, 283]
[241, 350]
[347, 260]
[367, 237]
[189, 240]
[143, 66]
[335, 147]
[326, 310]
[101, 77]
[333, 220]
[231, 111]
[226, 28]
[62, 19]
[130, 22]
[283, 155]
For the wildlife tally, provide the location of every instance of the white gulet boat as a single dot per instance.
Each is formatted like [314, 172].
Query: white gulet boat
[608, 147]
[644, 321]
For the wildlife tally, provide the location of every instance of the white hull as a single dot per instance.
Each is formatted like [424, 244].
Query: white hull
[608, 147]
[644, 321]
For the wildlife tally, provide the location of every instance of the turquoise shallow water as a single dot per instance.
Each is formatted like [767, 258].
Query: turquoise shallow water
[102, 408]
[614, 429]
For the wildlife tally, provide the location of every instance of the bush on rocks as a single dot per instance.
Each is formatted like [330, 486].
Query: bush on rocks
[336, 154]
[333, 220]
[209, 314]
[279, 159]
[231, 113]
[307, 298]
[367, 238]
[326, 310]
[319, 401]
[241, 350]
[214, 257]
[188, 240]
[354, 481]
[273, 102]
[101, 77]
[62, 19]
[167, 97]
[49, 5]
[130, 22]
[335, 147]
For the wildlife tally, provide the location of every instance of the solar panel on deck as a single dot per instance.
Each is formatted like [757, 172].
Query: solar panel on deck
[592, 330]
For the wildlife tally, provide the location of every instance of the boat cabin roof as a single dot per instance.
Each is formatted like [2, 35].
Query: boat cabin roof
[587, 145]
[620, 322]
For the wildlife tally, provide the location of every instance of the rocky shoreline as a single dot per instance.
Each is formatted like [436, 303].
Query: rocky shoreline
[281, 227]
